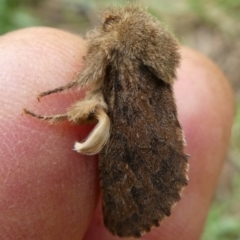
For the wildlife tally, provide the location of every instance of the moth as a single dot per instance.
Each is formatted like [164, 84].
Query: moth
[130, 68]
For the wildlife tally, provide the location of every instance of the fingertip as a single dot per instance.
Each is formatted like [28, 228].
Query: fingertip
[41, 169]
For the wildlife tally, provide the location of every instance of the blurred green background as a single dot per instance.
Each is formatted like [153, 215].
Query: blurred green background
[210, 26]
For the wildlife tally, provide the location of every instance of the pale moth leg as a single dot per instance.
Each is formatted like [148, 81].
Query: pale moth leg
[88, 109]
[98, 137]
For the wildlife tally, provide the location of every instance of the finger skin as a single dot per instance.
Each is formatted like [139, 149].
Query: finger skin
[47, 191]
[206, 107]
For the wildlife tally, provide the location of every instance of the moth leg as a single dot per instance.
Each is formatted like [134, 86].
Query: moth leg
[59, 89]
[98, 137]
[87, 77]
[90, 110]
[51, 119]
[87, 110]
[84, 110]
[81, 112]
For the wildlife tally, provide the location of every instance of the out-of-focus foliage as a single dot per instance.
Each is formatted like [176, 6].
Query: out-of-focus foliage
[14, 14]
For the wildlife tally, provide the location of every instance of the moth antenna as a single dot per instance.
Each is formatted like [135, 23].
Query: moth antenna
[52, 119]
[98, 137]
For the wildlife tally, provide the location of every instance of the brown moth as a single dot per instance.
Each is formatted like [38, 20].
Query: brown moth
[130, 67]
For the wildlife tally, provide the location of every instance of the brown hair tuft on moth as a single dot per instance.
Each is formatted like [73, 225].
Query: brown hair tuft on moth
[130, 67]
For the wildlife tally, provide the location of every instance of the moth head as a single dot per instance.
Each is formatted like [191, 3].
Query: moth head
[122, 27]
[129, 28]
[110, 22]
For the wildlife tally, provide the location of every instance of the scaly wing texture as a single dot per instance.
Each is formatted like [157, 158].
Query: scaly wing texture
[143, 167]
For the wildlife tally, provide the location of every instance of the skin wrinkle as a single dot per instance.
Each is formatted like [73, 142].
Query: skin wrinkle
[85, 192]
